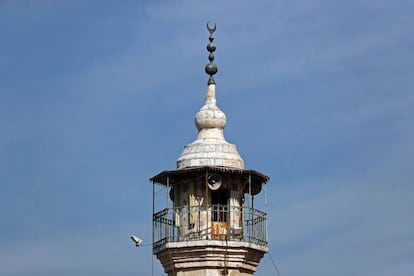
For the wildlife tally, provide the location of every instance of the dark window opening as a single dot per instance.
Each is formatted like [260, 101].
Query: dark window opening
[219, 201]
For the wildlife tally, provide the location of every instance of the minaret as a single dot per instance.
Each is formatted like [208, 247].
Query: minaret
[212, 227]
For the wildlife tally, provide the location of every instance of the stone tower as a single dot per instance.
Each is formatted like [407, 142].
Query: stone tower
[211, 227]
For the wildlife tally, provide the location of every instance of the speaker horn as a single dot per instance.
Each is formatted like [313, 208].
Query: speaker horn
[172, 194]
[214, 181]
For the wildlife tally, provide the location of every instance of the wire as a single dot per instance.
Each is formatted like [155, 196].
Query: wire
[152, 265]
[160, 190]
[147, 244]
[274, 264]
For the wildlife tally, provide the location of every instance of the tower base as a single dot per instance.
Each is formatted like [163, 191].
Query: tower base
[210, 257]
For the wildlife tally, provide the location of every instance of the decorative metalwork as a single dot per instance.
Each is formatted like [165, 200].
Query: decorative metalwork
[211, 68]
[250, 228]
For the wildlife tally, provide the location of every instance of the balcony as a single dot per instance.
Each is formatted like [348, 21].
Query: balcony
[209, 222]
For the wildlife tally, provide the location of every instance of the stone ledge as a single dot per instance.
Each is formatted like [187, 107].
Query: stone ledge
[210, 254]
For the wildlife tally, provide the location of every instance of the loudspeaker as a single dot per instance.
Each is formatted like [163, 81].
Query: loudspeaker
[214, 181]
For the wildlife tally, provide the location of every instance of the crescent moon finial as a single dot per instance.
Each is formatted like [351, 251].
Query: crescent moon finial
[211, 30]
[211, 68]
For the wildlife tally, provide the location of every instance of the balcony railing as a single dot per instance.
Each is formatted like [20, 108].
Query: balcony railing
[212, 222]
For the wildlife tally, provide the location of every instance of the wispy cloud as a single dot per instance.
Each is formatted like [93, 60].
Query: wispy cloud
[359, 226]
[97, 97]
[95, 251]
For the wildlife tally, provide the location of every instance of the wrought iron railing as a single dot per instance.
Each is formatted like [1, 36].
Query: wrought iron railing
[201, 222]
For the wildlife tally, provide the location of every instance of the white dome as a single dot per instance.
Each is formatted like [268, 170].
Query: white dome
[210, 147]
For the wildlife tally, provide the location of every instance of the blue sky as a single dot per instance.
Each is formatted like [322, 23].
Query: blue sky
[98, 96]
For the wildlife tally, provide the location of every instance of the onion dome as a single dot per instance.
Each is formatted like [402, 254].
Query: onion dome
[210, 147]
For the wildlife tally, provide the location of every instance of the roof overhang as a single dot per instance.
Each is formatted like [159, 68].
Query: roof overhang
[174, 176]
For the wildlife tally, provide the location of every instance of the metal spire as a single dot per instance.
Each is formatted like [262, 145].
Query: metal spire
[211, 68]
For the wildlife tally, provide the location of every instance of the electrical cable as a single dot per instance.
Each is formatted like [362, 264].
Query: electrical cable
[274, 264]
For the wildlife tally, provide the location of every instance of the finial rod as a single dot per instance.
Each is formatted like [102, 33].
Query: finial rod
[211, 68]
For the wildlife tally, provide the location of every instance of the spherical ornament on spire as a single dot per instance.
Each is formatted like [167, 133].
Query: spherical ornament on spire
[211, 47]
[211, 69]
